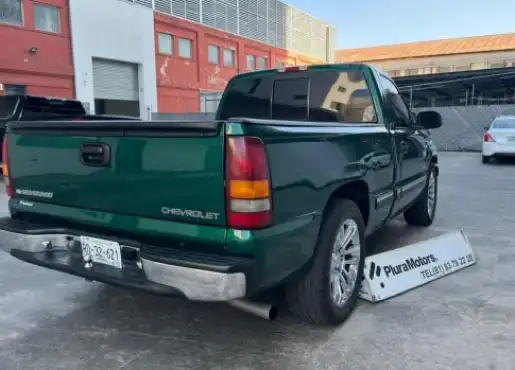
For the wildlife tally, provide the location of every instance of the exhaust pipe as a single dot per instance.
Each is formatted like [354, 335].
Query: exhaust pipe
[263, 310]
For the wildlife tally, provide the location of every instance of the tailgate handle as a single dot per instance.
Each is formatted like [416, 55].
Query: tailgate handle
[95, 154]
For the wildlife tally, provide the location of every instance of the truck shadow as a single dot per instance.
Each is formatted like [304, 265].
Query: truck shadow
[397, 234]
[110, 326]
[113, 323]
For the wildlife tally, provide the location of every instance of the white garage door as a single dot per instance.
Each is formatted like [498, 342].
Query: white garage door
[115, 80]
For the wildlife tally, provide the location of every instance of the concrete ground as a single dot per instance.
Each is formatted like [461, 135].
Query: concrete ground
[466, 320]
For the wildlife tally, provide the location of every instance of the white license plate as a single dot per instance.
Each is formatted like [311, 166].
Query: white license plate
[101, 251]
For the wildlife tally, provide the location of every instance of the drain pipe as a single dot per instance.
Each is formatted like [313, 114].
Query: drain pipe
[263, 310]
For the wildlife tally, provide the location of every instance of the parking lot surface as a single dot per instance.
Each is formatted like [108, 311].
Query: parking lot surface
[49, 320]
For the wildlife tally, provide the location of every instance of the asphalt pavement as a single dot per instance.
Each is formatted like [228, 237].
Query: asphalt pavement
[51, 321]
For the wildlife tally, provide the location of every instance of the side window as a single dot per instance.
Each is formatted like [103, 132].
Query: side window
[398, 104]
[290, 99]
[341, 97]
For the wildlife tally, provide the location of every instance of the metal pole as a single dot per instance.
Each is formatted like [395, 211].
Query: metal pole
[473, 94]
[411, 97]
[467, 97]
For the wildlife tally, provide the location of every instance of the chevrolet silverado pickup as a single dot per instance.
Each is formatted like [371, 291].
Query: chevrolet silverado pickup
[279, 192]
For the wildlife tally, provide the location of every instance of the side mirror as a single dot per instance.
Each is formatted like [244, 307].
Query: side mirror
[429, 119]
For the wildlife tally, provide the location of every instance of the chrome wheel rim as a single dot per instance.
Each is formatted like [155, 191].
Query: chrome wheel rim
[431, 194]
[345, 260]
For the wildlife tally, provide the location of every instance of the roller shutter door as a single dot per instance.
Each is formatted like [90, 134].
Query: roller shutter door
[114, 80]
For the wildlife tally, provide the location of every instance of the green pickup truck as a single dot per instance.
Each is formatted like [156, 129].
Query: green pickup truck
[279, 192]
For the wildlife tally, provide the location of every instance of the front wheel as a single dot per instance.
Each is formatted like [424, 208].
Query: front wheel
[328, 293]
[422, 212]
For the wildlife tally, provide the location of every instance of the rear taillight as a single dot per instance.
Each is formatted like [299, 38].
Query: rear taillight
[249, 204]
[488, 138]
[5, 168]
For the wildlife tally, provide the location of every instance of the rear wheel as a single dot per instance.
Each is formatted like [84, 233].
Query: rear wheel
[328, 293]
[422, 212]
[485, 159]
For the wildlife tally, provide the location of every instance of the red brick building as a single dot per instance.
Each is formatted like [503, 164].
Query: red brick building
[35, 48]
[215, 57]
[136, 57]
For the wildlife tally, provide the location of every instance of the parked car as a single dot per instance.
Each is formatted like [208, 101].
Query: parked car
[499, 139]
[280, 190]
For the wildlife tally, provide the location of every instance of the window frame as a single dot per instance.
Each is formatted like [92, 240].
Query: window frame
[48, 7]
[247, 62]
[217, 62]
[396, 117]
[179, 39]
[159, 34]
[22, 17]
[258, 60]
[233, 58]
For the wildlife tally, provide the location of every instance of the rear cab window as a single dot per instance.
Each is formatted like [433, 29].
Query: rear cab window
[316, 96]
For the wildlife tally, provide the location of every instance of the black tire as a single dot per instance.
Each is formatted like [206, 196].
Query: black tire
[485, 159]
[309, 299]
[419, 213]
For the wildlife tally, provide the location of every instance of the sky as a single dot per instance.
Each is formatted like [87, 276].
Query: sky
[361, 23]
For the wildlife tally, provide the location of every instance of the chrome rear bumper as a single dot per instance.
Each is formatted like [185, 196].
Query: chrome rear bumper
[58, 251]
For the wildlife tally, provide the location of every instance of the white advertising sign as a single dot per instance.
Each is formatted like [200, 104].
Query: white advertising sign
[393, 272]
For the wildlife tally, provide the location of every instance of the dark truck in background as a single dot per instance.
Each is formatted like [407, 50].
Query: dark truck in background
[39, 108]
[280, 191]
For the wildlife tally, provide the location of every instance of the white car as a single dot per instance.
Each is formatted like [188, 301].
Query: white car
[499, 138]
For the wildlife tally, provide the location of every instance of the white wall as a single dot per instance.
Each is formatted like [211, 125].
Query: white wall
[116, 30]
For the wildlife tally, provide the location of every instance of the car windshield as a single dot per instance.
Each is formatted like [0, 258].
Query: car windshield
[7, 106]
[504, 123]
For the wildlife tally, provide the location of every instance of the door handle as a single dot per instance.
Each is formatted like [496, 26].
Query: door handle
[95, 154]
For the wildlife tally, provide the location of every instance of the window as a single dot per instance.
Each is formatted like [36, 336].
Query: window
[11, 12]
[398, 104]
[213, 54]
[461, 68]
[7, 106]
[279, 64]
[312, 96]
[186, 48]
[443, 69]
[340, 97]
[290, 99]
[251, 62]
[498, 64]
[508, 123]
[394, 73]
[262, 63]
[247, 97]
[165, 42]
[15, 89]
[46, 18]
[229, 58]
[411, 72]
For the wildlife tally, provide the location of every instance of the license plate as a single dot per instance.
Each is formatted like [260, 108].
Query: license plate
[101, 251]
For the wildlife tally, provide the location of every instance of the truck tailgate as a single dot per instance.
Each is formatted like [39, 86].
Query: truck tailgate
[166, 170]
